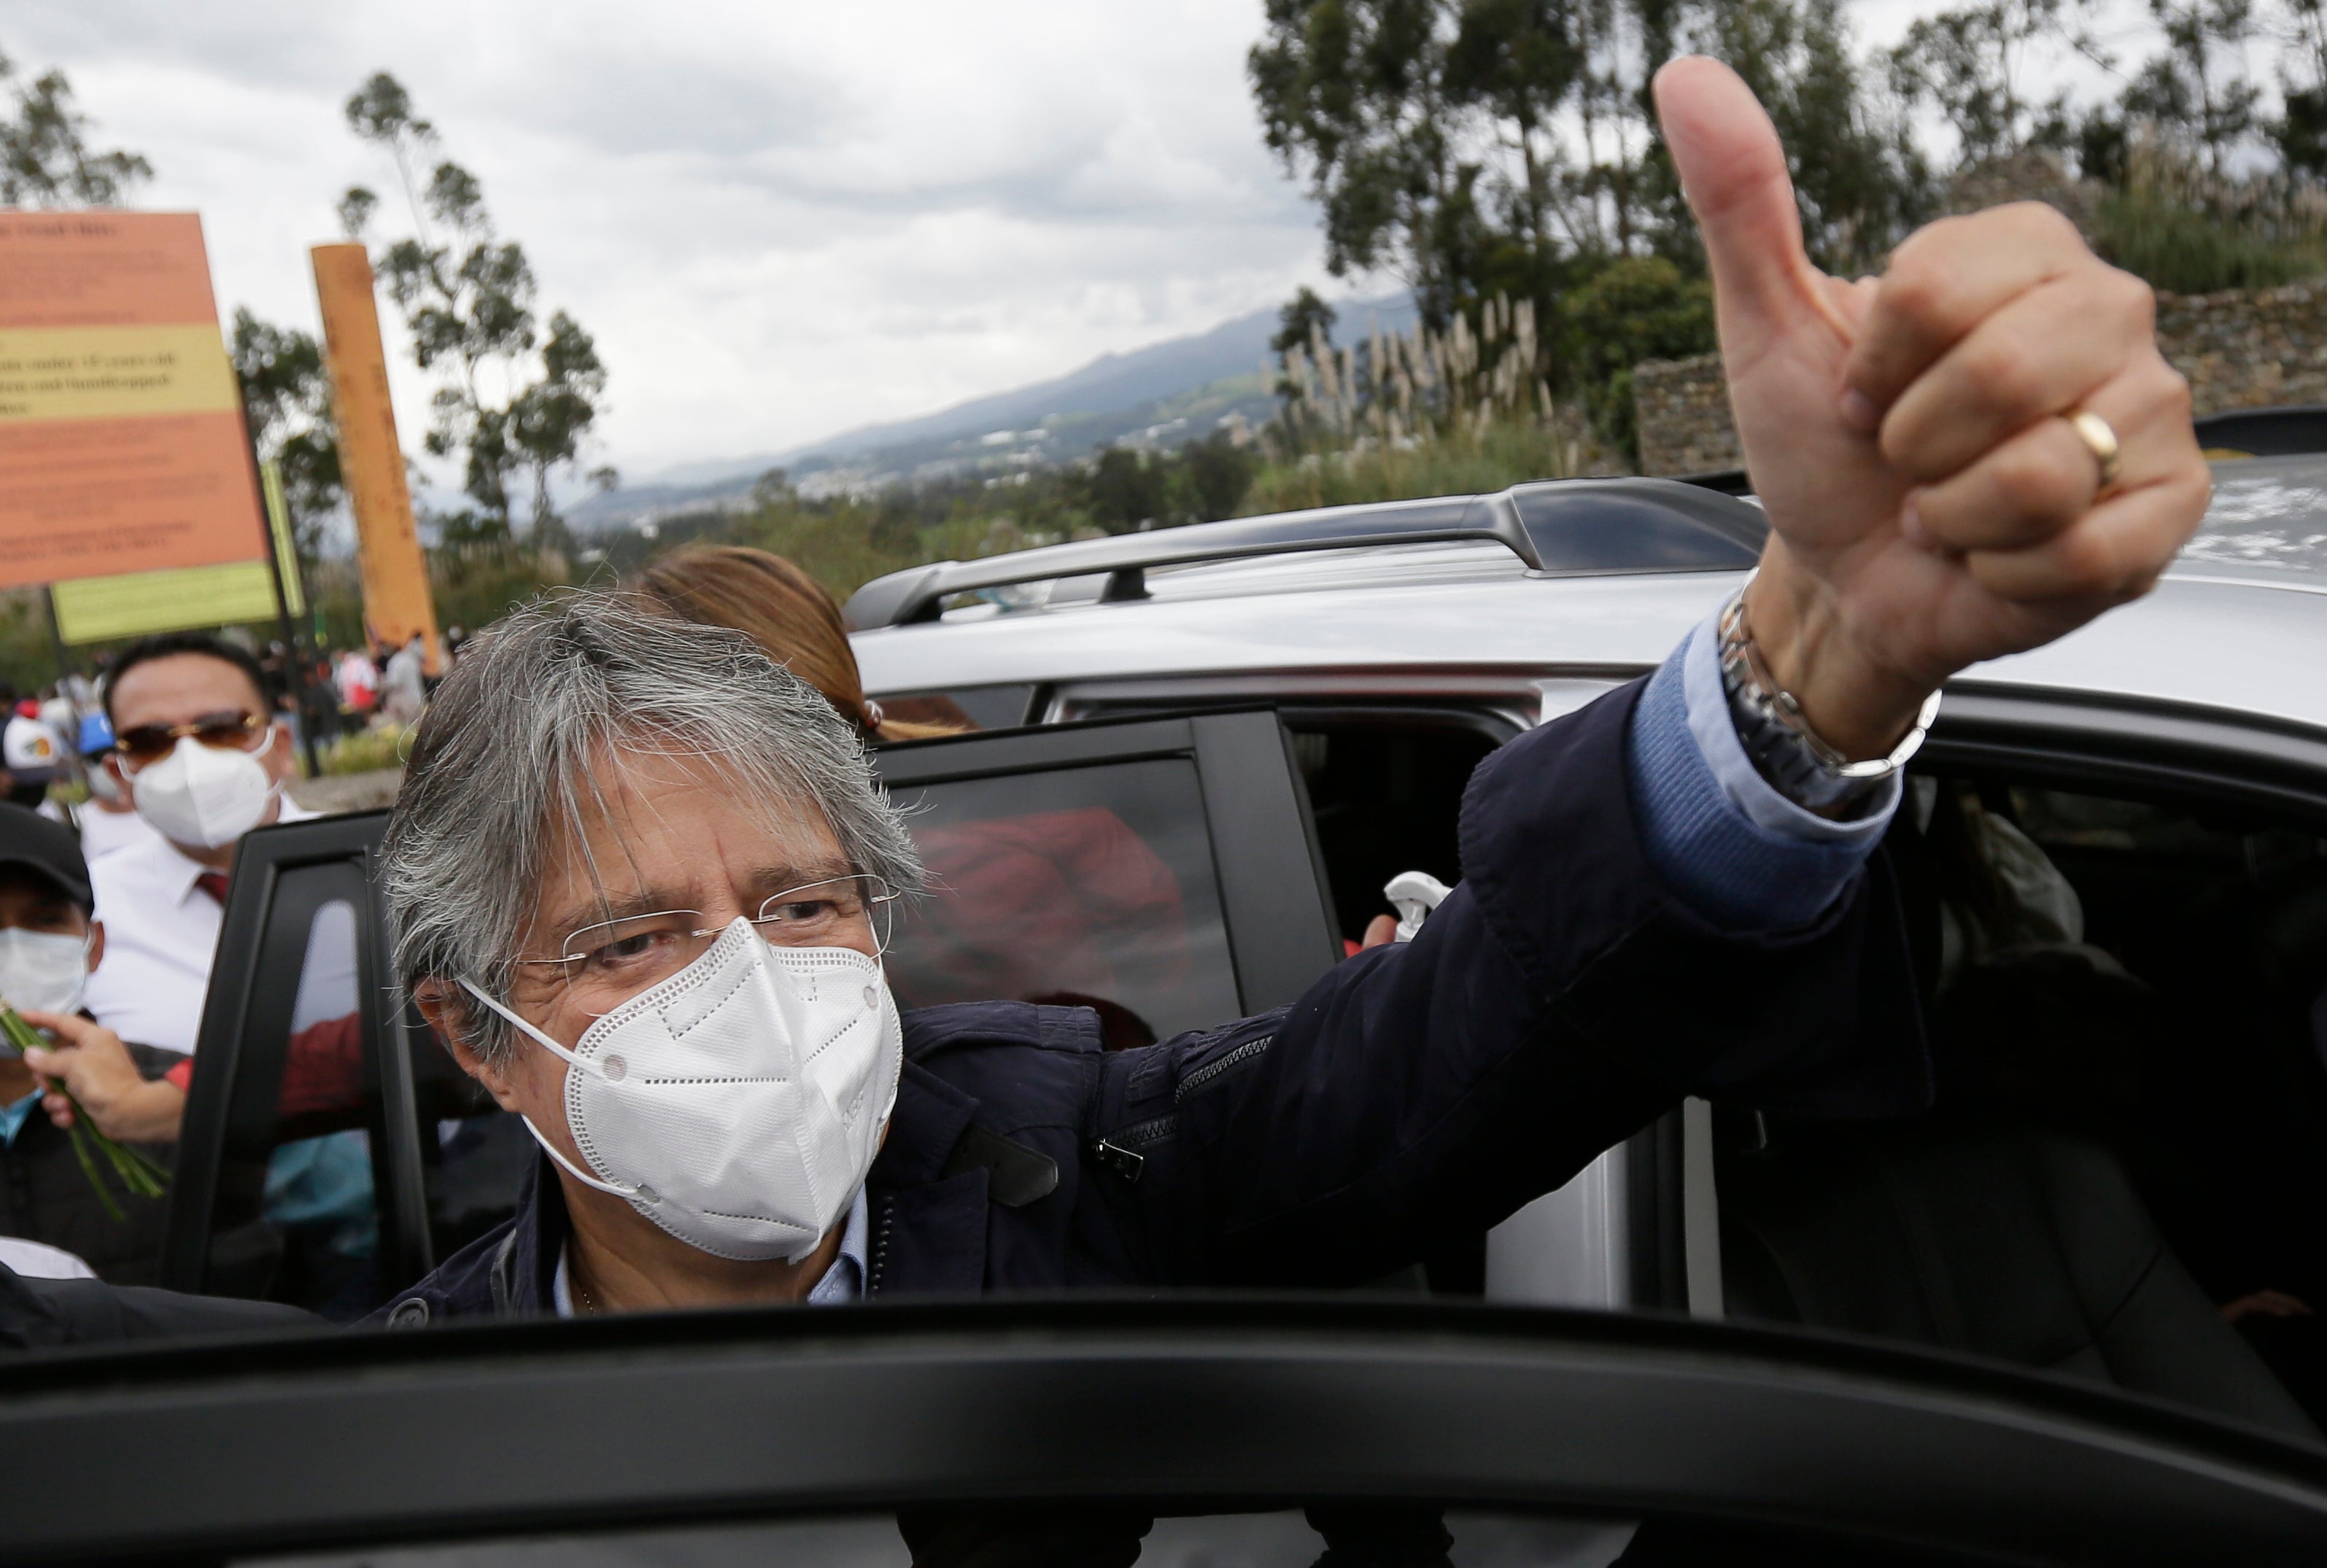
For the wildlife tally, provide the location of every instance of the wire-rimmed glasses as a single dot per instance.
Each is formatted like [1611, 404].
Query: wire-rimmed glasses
[605, 964]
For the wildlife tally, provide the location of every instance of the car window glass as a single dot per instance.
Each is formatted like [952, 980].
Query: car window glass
[2121, 1174]
[294, 1217]
[1088, 886]
[474, 1156]
[1386, 792]
[989, 707]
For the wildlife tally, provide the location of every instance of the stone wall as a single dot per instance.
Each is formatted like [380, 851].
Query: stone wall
[1682, 406]
[2248, 349]
[2240, 348]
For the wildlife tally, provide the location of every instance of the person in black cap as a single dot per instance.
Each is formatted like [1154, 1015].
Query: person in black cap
[48, 946]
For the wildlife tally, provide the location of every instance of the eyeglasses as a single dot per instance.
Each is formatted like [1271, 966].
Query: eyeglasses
[141, 745]
[606, 963]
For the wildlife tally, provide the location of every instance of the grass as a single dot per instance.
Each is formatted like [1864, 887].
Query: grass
[2185, 231]
[1471, 460]
[1423, 413]
[366, 751]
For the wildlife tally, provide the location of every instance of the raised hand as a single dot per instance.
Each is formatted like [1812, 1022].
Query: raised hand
[1931, 505]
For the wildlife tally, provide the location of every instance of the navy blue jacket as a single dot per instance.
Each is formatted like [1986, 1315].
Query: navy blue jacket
[1556, 1002]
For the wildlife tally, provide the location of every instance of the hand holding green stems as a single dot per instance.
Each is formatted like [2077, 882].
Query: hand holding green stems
[137, 1173]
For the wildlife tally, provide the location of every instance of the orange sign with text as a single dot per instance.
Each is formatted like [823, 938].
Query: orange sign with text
[121, 437]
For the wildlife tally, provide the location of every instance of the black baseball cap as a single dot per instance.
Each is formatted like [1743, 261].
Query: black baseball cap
[40, 843]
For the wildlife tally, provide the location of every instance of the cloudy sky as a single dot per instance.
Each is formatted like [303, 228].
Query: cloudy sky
[779, 219]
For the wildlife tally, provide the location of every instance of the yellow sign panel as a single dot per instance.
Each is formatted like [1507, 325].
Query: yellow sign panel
[113, 372]
[101, 609]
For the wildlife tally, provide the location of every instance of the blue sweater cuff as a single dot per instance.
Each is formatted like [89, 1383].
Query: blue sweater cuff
[1728, 846]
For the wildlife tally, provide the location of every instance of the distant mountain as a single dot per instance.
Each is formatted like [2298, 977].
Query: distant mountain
[1159, 396]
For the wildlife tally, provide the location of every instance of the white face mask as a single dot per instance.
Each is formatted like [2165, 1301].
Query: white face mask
[738, 1104]
[45, 971]
[103, 784]
[198, 795]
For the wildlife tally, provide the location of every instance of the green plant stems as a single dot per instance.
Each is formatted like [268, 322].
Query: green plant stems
[138, 1172]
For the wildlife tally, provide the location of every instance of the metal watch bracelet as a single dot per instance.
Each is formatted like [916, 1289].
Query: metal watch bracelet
[1797, 761]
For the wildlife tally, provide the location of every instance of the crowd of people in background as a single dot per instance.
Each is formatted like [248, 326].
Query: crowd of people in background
[126, 789]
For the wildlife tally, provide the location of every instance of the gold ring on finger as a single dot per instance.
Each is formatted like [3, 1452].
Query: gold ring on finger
[2100, 440]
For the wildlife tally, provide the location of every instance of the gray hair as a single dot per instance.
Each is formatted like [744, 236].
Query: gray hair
[501, 770]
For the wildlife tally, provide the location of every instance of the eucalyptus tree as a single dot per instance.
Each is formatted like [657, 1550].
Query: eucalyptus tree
[45, 158]
[508, 400]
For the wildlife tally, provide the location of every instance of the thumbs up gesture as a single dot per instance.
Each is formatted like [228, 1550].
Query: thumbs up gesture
[1931, 503]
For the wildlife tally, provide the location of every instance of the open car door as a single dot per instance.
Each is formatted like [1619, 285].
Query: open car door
[1162, 871]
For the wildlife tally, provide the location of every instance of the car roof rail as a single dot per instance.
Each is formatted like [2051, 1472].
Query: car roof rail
[1556, 528]
[2287, 432]
[1729, 481]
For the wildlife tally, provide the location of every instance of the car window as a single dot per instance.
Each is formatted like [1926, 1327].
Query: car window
[1090, 886]
[2121, 1174]
[987, 707]
[294, 1217]
[1386, 788]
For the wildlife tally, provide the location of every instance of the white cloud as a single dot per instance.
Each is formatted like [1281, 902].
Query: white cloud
[779, 219]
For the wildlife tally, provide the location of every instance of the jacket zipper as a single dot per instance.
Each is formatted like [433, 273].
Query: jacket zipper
[1228, 1063]
[1119, 1150]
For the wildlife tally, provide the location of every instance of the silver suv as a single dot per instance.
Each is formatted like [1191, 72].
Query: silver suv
[2116, 867]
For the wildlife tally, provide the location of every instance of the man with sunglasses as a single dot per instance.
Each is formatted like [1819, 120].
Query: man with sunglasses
[199, 754]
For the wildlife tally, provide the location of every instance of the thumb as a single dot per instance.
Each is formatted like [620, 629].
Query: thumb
[1732, 170]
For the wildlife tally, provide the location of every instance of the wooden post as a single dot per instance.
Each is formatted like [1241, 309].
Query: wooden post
[394, 568]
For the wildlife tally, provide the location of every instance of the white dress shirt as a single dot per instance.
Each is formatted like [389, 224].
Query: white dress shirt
[161, 934]
[103, 832]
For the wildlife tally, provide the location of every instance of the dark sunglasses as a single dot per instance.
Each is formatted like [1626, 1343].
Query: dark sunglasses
[141, 745]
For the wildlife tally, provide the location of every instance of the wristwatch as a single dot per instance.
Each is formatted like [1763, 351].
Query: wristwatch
[1798, 763]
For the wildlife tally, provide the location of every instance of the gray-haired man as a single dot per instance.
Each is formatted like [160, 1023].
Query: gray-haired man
[638, 871]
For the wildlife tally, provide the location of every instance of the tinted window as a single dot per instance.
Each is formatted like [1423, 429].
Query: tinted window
[2122, 1173]
[994, 708]
[294, 1217]
[1090, 886]
[1385, 790]
[474, 1155]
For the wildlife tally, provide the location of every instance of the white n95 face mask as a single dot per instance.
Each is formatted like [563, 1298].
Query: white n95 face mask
[204, 796]
[738, 1104]
[45, 971]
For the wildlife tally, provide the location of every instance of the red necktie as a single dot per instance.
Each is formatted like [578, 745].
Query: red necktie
[213, 882]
